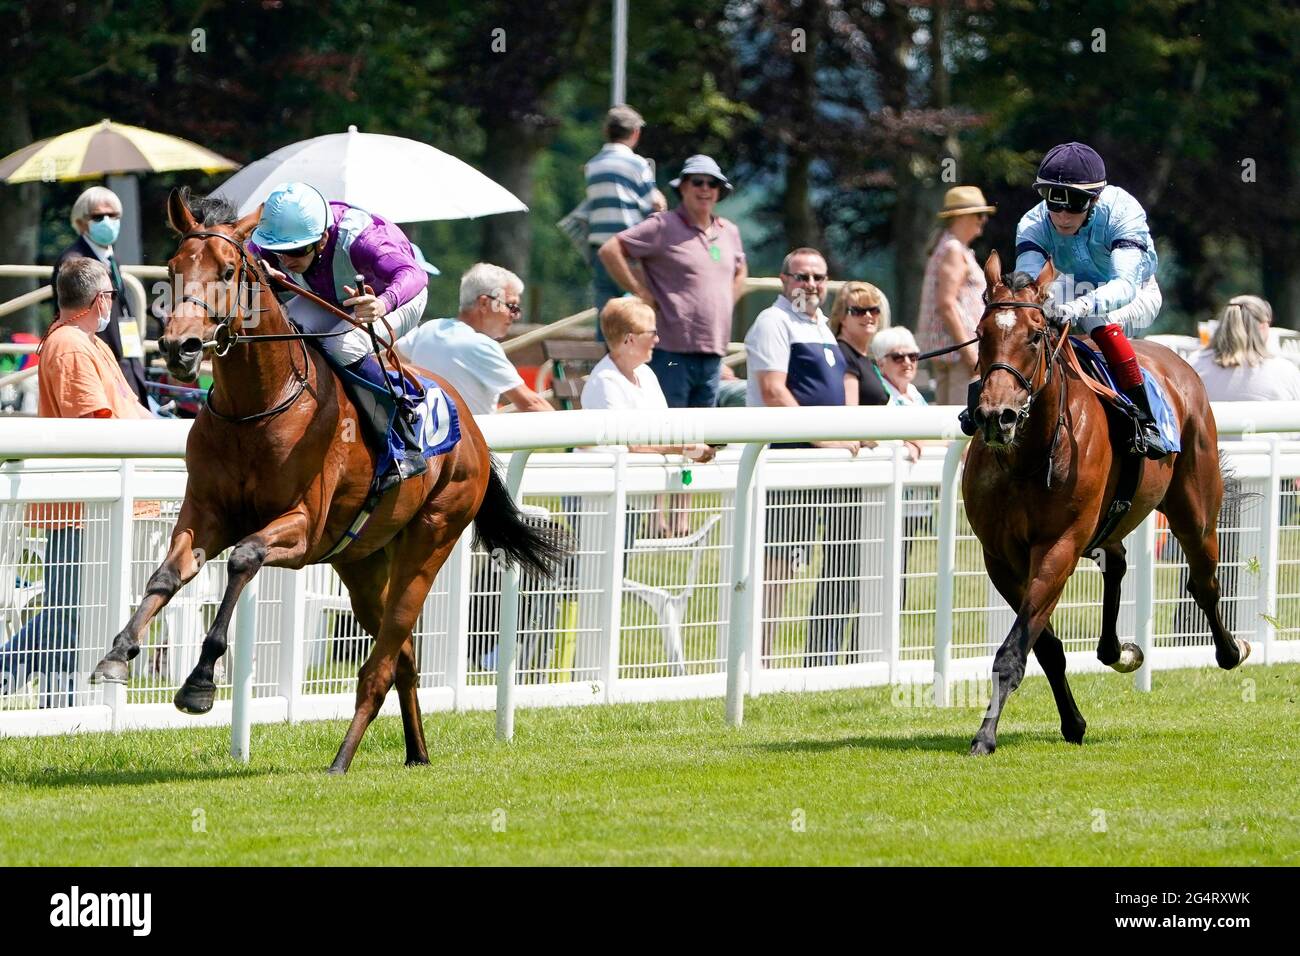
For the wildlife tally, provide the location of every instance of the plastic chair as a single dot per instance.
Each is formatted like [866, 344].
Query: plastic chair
[669, 603]
[19, 552]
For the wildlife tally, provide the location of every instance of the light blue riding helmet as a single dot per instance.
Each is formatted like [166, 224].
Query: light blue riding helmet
[293, 216]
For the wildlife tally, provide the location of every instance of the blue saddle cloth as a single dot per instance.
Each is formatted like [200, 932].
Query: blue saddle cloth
[1095, 365]
[437, 421]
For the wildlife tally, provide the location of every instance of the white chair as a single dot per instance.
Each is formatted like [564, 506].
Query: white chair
[1185, 345]
[19, 553]
[669, 603]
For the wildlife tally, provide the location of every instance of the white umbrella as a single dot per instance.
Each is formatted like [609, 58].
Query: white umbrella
[400, 179]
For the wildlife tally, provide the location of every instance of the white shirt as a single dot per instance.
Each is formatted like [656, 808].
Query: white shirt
[1274, 380]
[607, 387]
[475, 365]
[782, 339]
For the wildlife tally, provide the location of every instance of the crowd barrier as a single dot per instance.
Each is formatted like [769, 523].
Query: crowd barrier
[765, 570]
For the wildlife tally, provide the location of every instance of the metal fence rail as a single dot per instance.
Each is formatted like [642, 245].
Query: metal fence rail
[776, 569]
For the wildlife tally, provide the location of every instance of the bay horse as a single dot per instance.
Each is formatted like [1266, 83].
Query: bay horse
[1040, 474]
[277, 474]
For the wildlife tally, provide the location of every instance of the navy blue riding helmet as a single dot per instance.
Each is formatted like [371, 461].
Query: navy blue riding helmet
[1070, 177]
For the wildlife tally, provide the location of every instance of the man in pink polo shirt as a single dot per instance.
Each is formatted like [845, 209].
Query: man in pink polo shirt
[692, 269]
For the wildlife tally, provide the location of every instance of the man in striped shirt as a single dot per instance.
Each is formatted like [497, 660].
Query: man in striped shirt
[620, 193]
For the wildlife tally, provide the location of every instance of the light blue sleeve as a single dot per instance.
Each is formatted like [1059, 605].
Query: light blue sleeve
[1119, 291]
[1033, 243]
[492, 367]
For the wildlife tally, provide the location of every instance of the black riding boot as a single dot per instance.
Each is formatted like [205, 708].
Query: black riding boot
[1149, 442]
[966, 417]
[374, 413]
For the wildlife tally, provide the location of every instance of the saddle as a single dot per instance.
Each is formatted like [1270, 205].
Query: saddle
[1125, 429]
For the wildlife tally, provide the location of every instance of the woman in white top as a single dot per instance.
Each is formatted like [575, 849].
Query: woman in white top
[623, 380]
[1238, 367]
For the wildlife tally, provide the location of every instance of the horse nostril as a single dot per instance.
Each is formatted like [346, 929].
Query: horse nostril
[191, 346]
[1007, 417]
[978, 415]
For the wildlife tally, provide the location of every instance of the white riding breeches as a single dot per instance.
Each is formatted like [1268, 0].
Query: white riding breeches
[1135, 316]
[355, 345]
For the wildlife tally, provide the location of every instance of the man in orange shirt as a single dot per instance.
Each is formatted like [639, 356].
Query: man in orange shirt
[79, 378]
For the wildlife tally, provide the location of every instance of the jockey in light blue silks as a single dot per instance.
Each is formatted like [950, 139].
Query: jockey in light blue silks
[1097, 238]
[323, 246]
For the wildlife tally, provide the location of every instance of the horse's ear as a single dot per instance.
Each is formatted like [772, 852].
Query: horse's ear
[1045, 278]
[993, 270]
[178, 214]
[244, 227]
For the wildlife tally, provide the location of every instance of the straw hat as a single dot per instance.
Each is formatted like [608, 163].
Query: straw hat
[964, 200]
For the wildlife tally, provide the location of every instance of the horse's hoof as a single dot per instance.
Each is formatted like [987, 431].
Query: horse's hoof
[336, 771]
[1243, 652]
[417, 761]
[115, 672]
[1073, 735]
[1130, 659]
[981, 748]
[196, 697]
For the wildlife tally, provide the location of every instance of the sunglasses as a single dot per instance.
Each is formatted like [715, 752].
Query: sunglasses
[1060, 199]
[111, 293]
[514, 308]
[903, 356]
[807, 276]
[101, 216]
[299, 252]
[864, 310]
[703, 182]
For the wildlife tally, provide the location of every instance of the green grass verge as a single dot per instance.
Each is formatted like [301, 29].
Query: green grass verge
[1201, 772]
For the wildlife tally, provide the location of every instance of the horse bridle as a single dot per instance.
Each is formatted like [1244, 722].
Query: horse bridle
[224, 338]
[1043, 358]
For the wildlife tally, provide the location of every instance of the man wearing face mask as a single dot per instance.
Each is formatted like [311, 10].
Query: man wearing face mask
[97, 217]
[79, 375]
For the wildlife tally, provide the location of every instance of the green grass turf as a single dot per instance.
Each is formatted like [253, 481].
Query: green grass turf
[1193, 774]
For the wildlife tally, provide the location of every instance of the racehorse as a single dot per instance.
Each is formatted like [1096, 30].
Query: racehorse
[276, 471]
[1040, 473]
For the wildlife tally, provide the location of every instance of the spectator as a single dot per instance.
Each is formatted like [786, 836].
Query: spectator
[793, 360]
[692, 270]
[855, 319]
[623, 380]
[621, 193]
[896, 354]
[466, 350]
[97, 217]
[952, 293]
[79, 378]
[1238, 366]
[323, 246]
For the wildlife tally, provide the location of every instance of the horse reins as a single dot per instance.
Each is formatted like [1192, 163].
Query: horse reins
[224, 338]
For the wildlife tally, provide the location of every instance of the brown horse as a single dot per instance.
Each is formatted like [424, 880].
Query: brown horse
[277, 475]
[1040, 475]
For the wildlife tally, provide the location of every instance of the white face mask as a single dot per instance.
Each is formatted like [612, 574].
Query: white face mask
[103, 323]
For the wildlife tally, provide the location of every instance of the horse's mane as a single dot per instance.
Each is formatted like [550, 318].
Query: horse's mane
[212, 210]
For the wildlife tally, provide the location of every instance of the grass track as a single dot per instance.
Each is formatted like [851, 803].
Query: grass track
[1190, 775]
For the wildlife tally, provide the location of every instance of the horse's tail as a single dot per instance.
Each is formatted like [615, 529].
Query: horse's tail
[500, 526]
[1233, 496]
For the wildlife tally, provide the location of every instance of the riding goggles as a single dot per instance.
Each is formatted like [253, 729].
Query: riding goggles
[1064, 199]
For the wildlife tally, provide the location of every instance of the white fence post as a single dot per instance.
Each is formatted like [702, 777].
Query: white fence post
[1264, 629]
[742, 577]
[459, 570]
[610, 575]
[121, 549]
[1144, 598]
[293, 622]
[507, 646]
[241, 690]
[891, 587]
[946, 584]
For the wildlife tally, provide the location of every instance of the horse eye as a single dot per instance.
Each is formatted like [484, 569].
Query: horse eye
[228, 274]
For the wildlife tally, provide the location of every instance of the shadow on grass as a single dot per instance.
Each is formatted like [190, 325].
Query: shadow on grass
[958, 744]
[52, 779]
